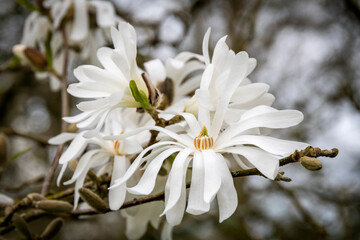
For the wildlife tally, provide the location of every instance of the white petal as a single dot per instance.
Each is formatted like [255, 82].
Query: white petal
[137, 163]
[212, 178]
[105, 13]
[156, 70]
[180, 138]
[76, 147]
[176, 178]
[117, 195]
[196, 203]
[251, 66]
[81, 22]
[147, 181]
[226, 196]
[62, 138]
[83, 164]
[272, 145]
[266, 163]
[175, 214]
[78, 184]
[205, 46]
[262, 116]
[62, 171]
[249, 92]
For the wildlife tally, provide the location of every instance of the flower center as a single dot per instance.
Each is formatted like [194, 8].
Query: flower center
[203, 141]
[116, 147]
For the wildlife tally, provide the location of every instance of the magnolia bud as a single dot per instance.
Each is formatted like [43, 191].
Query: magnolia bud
[93, 199]
[36, 197]
[310, 163]
[54, 206]
[22, 226]
[52, 229]
[31, 56]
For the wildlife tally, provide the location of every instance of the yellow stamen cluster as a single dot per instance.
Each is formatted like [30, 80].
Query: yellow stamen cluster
[203, 141]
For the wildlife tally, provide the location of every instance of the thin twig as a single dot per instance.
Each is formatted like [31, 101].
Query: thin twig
[64, 112]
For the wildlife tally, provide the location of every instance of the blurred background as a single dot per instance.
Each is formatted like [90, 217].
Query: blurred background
[308, 51]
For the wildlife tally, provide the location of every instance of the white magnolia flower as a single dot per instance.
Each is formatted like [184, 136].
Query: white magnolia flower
[109, 86]
[79, 12]
[207, 142]
[244, 95]
[210, 174]
[88, 38]
[107, 156]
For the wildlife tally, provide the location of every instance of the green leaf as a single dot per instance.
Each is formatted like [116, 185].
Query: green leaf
[49, 55]
[139, 95]
[27, 5]
[17, 155]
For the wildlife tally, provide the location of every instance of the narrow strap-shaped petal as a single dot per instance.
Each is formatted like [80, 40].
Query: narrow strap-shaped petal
[62, 138]
[273, 119]
[205, 46]
[226, 196]
[272, 145]
[75, 148]
[156, 70]
[137, 163]
[117, 195]
[176, 178]
[212, 180]
[105, 13]
[80, 26]
[249, 92]
[147, 182]
[196, 204]
[61, 174]
[182, 139]
[266, 163]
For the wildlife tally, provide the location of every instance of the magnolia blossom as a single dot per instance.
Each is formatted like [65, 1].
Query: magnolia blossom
[79, 11]
[208, 140]
[106, 156]
[87, 38]
[109, 86]
[244, 94]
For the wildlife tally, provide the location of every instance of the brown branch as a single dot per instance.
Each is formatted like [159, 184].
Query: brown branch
[64, 112]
